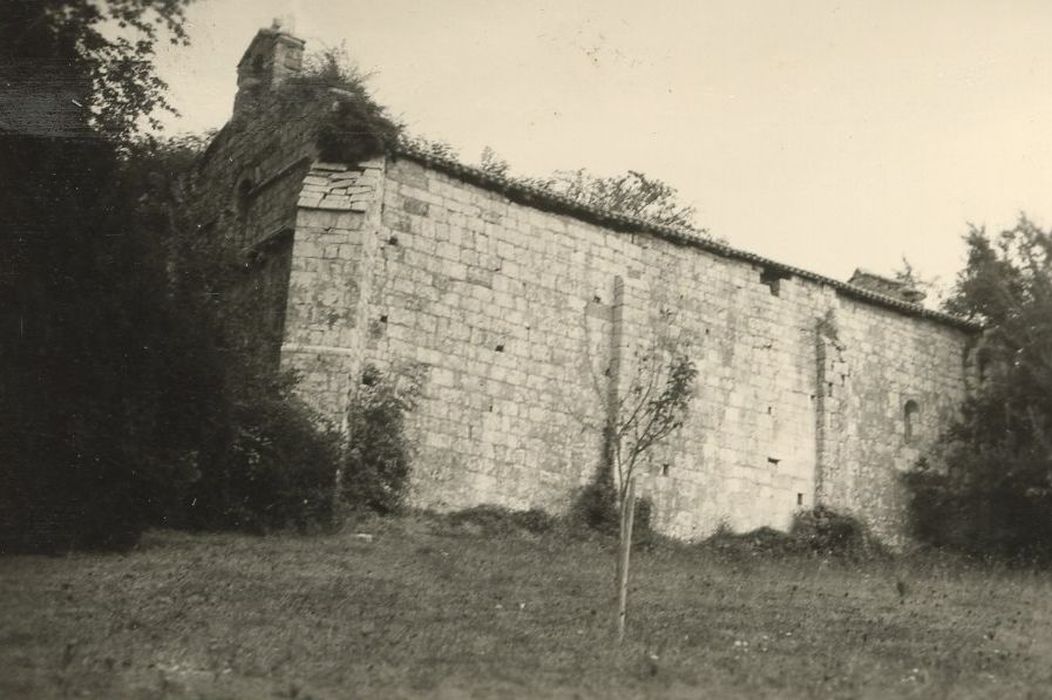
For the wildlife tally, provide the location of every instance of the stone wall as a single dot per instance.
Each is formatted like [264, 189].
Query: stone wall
[524, 315]
[243, 192]
[333, 268]
[515, 313]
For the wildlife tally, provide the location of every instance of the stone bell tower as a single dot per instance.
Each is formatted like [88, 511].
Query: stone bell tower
[273, 56]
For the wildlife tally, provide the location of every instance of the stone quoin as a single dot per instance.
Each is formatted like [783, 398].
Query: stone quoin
[512, 304]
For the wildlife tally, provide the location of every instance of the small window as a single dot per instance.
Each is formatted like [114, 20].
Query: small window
[910, 414]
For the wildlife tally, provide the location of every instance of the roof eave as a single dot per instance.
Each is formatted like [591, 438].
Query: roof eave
[534, 196]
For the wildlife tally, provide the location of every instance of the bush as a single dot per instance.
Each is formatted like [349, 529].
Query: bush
[375, 472]
[272, 468]
[595, 509]
[828, 533]
[499, 521]
[764, 540]
[817, 532]
[992, 501]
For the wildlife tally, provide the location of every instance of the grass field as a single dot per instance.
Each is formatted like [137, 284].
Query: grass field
[430, 609]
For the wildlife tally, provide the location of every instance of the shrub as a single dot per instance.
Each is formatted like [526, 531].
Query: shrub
[992, 501]
[499, 521]
[375, 473]
[828, 533]
[764, 540]
[595, 509]
[816, 532]
[271, 467]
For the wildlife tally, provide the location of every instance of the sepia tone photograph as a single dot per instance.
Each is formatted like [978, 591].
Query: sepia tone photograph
[487, 349]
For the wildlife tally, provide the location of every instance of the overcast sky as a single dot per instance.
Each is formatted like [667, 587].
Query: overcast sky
[828, 135]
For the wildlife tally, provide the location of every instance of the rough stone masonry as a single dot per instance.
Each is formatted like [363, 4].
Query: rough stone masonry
[511, 304]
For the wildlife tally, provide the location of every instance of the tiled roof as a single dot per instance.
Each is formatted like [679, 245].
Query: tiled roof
[550, 201]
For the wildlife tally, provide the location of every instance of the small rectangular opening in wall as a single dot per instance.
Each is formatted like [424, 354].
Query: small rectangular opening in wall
[773, 461]
[383, 318]
[799, 499]
[664, 470]
[500, 347]
[773, 277]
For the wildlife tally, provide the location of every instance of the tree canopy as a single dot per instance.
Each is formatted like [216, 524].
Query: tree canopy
[995, 494]
[122, 402]
[90, 60]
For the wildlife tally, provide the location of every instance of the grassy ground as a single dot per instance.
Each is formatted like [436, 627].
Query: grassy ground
[431, 609]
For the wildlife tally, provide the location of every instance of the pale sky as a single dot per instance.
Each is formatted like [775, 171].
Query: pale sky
[828, 135]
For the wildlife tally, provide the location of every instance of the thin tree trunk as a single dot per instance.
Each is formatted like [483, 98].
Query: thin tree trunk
[628, 512]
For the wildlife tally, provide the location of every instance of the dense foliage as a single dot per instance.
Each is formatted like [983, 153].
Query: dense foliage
[358, 126]
[375, 475]
[95, 55]
[96, 410]
[95, 413]
[994, 495]
[125, 396]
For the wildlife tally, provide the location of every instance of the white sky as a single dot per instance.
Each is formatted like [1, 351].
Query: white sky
[828, 135]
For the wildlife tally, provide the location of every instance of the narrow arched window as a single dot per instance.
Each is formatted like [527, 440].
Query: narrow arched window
[911, 414]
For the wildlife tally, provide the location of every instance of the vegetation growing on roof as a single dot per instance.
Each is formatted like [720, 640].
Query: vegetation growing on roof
[357, 127]
[631, 193]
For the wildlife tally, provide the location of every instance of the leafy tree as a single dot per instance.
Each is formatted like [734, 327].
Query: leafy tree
[95, 55]
[94, 415]
[995, 494]
[653, 407]
[122, 400]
